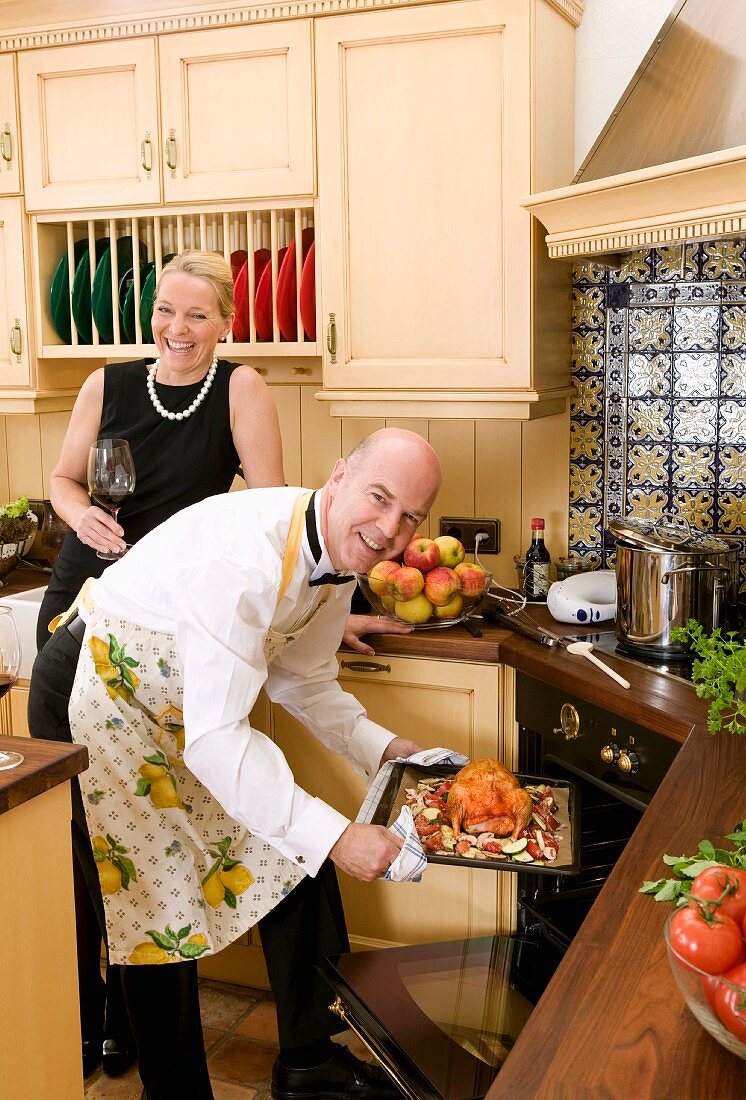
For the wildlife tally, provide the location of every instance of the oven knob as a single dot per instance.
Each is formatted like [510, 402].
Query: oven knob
[609, 753]
[569, 722]
[628, 762]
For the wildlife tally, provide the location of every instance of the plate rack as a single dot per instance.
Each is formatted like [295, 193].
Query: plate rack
[160, 233]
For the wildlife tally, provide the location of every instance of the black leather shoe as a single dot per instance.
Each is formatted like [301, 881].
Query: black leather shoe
[91, 1055]
[116, 1057]
[341, 1077]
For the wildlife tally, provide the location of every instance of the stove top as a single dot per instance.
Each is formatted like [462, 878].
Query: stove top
[607, 642]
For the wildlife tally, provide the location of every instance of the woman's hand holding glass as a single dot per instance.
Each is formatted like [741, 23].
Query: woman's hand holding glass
[111, 479]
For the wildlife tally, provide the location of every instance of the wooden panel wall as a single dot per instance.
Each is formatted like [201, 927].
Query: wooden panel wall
[491, 469]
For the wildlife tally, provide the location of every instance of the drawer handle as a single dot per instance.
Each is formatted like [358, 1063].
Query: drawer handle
[339, 1009]
[171, 151]
[6, 145]
[365, 666]
[16, 339]
[146, 153]
[331, 337]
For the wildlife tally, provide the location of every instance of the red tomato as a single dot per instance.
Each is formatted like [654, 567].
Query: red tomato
[712, 945]
[730, 1001]
[711, 884]
[710, 985]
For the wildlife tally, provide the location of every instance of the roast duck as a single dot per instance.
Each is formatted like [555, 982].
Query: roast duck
[486, 798]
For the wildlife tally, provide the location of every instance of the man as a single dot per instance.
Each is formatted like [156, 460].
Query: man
[198, 828]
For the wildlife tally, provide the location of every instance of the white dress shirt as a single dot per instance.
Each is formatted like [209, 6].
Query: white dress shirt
[210, 575]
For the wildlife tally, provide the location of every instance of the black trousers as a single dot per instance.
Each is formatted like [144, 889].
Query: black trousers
[162, 1001]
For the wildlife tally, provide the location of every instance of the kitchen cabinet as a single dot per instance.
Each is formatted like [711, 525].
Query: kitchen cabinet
[237, 112]
[236, 118]
[89, 117]
[10, 176]
[14, 711]
[15, 362]
[432, 123]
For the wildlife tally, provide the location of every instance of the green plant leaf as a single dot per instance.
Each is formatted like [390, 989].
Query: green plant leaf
[163, 941]
[142, 788]
[192, 950]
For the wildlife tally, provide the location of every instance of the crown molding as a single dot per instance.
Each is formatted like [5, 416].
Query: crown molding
[87, 27]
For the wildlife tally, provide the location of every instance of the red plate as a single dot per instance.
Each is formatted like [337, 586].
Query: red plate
[241, 331]
[287, 313]
[308, 294]
[263, 303]
[238, 259]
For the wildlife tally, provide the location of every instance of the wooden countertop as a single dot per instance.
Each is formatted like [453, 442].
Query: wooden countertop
[46, 763]
[22, 579]
[612, 1020]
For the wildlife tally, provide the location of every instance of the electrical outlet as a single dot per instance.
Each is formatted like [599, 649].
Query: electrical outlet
[466, 530]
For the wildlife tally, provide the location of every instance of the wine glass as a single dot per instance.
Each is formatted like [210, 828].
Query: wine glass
[10, 659]
[111, 479]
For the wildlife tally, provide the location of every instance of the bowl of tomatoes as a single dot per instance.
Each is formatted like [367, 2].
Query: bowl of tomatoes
[706, 945]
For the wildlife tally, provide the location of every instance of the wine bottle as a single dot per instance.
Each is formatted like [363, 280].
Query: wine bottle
[536, 572]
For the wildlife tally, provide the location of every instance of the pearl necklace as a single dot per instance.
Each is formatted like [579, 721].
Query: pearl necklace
[194, 405]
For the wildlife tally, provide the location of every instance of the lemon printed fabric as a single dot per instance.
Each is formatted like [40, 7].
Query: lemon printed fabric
[179, 877]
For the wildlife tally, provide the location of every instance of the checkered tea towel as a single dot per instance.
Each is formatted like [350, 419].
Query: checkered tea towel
[410, 863]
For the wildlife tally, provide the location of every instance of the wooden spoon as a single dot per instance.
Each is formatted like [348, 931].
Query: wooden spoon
[584, 650]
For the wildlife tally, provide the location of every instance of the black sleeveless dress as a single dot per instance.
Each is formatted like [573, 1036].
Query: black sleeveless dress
[177, 463]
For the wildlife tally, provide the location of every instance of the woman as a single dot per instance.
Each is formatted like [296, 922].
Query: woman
[190, 420]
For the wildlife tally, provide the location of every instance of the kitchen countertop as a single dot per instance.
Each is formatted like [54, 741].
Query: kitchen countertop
[22, 579]
[45, 765]
[612, 1019]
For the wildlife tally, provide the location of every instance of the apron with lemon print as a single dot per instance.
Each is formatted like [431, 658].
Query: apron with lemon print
[179, 877]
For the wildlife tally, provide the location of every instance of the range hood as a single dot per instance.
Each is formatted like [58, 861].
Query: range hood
[670, 164]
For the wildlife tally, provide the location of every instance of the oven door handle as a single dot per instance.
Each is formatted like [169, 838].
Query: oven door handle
[339, 1009]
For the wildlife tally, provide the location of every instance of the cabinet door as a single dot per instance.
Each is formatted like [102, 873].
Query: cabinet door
[435, 703]
[87, 113]
[237, 112]
[424, 146]
[10, 179]
[14, 351]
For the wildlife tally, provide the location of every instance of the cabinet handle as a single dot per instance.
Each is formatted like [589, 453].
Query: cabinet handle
[331, 337]
[365, 666]
[300, 370]
[146, 153]
[171, 151]
[16, 342]
[6, 145]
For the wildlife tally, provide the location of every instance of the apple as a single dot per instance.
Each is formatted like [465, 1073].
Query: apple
[472, 578]
[417, 610]
[441, 585]
[379, 577]
[422, 554]
[388, 603]
[406, 583]
[451, 551]
[450, 610]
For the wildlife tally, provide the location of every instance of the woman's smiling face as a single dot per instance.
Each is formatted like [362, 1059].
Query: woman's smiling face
[186, 327]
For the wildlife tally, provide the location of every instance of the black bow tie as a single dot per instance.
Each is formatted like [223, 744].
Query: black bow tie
[331, 578]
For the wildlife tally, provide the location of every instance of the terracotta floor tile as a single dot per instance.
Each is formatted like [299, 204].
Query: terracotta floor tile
[126, 1087]
[222, 1006]
[229, 1090]
[261, 1023]
[357, 1046]
[244, 1061]
[212, 1035]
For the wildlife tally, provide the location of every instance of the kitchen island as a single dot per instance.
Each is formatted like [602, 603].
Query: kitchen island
[612, 1020]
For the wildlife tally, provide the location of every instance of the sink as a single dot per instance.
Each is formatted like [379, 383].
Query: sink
[25, 607]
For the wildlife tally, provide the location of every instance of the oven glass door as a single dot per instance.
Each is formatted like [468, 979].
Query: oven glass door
[443, 1016]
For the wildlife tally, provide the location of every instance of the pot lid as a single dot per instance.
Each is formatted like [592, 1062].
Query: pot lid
[671, 533]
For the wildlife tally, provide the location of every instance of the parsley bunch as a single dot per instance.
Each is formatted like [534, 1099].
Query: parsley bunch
[719, 674]
[686, 868]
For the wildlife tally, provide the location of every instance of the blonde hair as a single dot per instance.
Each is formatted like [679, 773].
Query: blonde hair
[210, 266]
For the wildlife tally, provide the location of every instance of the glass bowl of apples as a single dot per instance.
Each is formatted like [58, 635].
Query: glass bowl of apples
[432, 586]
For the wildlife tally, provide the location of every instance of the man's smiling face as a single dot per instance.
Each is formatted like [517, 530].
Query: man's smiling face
[377, 500]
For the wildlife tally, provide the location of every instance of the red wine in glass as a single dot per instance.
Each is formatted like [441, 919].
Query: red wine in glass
[111, 479]
[10, 659]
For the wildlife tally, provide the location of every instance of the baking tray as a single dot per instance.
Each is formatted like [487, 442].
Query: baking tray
[566, 794]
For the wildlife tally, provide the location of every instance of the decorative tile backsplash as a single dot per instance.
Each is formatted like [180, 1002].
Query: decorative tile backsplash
[659, 421]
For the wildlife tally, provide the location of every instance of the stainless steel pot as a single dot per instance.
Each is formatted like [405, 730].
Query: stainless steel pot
[667, 574]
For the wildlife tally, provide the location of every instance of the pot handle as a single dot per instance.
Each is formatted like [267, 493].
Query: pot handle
[707, 568]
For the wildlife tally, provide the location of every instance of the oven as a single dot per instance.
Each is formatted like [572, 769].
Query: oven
[442, 1017]
[616, 765]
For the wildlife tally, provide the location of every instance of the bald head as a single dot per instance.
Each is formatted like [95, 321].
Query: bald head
[377, 497]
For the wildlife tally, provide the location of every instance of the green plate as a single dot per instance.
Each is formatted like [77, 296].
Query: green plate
[82, 291]
[128, 309]
[101, 291]
[59, 293]
[147, 294]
